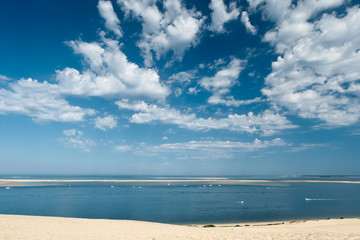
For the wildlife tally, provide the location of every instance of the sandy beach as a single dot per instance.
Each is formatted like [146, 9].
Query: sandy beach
[55, 228]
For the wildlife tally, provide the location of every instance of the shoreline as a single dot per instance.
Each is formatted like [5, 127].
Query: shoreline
[20, 182]
[41, 228]
[257, 223]
[199, 225]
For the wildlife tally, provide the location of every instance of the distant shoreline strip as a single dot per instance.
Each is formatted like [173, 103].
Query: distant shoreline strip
[19, 182]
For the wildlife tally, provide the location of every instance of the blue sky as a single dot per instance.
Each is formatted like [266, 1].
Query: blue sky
[179, 87]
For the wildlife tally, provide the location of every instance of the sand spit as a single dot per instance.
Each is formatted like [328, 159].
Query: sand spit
[16, 182]
[54, 228]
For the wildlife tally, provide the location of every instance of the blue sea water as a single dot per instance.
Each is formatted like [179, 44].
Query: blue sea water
[185, 202]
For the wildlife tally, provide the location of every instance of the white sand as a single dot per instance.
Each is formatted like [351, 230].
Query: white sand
[41, 228]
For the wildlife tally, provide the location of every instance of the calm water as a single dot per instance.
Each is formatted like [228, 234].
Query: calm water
[193, 203]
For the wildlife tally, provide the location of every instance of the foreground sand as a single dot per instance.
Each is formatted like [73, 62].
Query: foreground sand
[41, 228]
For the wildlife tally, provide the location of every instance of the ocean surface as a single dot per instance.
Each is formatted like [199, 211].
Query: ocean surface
[185, 202]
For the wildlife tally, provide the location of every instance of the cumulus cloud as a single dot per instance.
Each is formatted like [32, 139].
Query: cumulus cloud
[109, 73]
[266, 123]
[316, 74]
[105, 123]
[245, 20]
[40, 100]
[176, 30]
[75, 139]
[222, 14]
[178, 81]
[293, 22]
[224, 79]
[273, 10]
[193, 90]
[183, 78]
[221, 83]
[112, 22]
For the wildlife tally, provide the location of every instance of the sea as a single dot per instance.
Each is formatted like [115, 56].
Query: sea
[185, 202]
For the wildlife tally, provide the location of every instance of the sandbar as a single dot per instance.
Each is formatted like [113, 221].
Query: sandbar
[16, 182]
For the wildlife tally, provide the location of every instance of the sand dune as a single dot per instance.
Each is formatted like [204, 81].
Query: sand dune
[54, 228]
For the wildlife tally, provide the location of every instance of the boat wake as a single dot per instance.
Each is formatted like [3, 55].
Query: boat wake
[319, 199]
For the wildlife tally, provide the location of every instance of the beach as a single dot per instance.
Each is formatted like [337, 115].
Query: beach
[55, 228]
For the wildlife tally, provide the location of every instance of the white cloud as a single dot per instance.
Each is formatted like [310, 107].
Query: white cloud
[180, 80]
[4, 78]
[224, 79]
[221, 83]
[216, 145]
[124, 148]
[255, 3]
[293, 22]
[222, 14]
[105, 123]
[211, 149]
[316, 74]
[306, 146]
[175, 30]
[109, 74]
[75, 139]
[266, 123]
[273, 10]
[193, 90]
[70, 132]
[355, 132]
[245, 20]
[230, 101]
[112, 22]
[40, 100]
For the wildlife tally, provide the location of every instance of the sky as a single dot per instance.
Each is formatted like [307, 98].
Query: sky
[179, 87]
